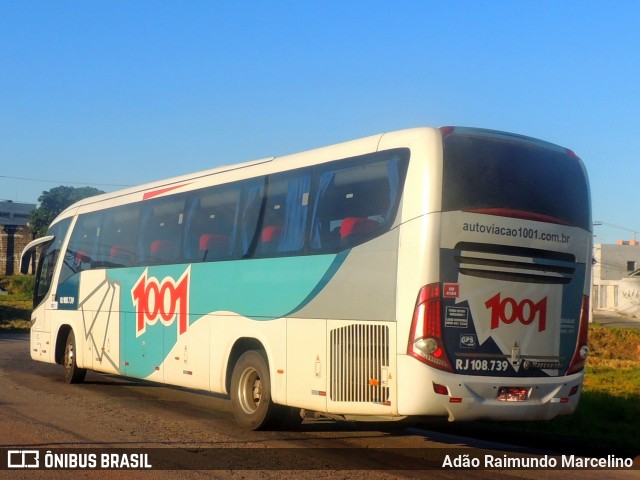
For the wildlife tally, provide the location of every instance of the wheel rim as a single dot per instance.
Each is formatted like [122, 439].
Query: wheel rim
[68, 357]
[250, 390]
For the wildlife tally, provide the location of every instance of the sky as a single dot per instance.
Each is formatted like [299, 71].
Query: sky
[109, 93]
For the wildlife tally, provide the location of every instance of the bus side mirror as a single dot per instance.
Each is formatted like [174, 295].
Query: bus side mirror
[25, 262]
[30, 250]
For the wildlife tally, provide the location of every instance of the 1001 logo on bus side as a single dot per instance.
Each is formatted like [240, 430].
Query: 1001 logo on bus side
[164, 301]
[508, 310]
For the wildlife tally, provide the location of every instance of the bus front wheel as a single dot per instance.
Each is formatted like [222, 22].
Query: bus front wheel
[251, 392]
[72, 373]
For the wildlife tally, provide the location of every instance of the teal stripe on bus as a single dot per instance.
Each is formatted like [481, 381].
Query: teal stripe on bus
[260, 289]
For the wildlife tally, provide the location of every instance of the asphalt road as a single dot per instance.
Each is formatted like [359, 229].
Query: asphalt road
[199, 439]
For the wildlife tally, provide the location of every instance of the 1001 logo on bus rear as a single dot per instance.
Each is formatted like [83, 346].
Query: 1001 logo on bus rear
[508, 310]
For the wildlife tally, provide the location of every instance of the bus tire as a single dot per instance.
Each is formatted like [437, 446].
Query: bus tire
[72, 373]
[251, 392]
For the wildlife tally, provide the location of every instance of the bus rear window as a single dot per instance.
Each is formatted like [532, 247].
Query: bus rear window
[492, 172]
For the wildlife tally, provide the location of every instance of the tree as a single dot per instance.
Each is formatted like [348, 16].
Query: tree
[53, 202]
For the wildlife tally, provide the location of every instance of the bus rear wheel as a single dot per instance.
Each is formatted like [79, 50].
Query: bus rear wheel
[72, 373]
[251, 392]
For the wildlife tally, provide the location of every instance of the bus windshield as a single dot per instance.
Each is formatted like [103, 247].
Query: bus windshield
[510, 175]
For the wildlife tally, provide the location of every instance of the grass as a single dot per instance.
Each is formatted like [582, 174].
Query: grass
[605, 422]
[16, 305]
[608, 416]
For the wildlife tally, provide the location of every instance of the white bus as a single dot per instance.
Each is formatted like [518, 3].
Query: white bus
[430, 271]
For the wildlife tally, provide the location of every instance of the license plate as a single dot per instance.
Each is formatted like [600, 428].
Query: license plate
[513, 394]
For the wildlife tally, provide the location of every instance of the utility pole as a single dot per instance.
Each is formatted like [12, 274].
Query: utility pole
[599, 222]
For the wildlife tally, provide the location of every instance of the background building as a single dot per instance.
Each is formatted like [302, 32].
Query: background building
[14, 234]
[616, 277]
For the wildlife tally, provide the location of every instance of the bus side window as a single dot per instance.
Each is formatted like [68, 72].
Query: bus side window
[249, 215]
[48, 260]
[356, 200]
[285, 215]
[81, 252]
[210, 224]
[161, 230]
[118, 236]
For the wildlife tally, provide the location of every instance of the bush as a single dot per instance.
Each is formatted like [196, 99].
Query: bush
[19, 285]
[23, 284]
[606, 343]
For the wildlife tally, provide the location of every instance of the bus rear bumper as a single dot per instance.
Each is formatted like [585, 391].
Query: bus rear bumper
[425, 391]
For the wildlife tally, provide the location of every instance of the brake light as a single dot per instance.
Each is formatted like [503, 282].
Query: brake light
[440, 389]
[444, 131]
[572, 154]
[425, 337]
[582, 347]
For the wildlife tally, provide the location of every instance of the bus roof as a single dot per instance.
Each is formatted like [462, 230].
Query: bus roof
[312, 156]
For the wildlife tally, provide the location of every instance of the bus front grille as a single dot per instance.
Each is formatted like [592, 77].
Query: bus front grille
[359, 363]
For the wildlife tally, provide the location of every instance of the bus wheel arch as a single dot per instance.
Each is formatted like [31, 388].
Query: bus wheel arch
[241, 346]
[61, 342]
[250, 391]
[66, 355]
[248, 382]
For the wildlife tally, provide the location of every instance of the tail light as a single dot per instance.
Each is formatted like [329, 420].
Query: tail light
[572, 154]
[425, 337]
[444, 131]
[582, 347]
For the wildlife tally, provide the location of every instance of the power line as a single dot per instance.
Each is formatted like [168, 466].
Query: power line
[600, 222]
[65, 182]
